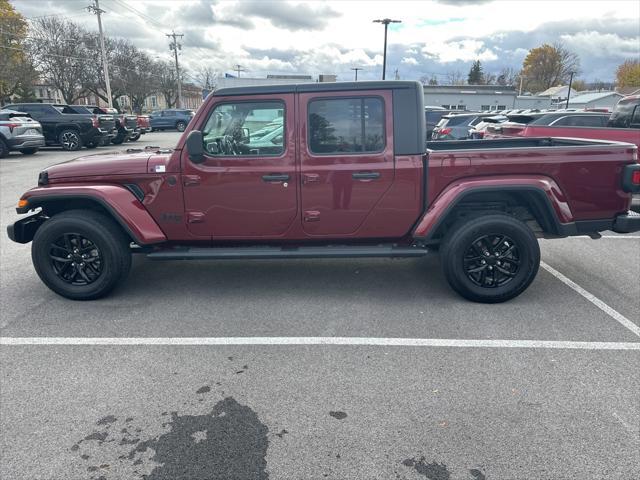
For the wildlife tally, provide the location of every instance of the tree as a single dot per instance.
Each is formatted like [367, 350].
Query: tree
[579, 85]
[548, 66]
[17, 74]
[119, 54]
[476, 76]
[455, 78]
[140, 81]
[507, 77]
[432, 80]
[628, 74]
[62, 56]
[167, 82]
[205, 77]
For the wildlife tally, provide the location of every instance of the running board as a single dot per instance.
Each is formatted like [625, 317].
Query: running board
[222, 253]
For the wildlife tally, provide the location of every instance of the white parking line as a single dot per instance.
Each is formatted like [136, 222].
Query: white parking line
[624, 321]
[295, 341]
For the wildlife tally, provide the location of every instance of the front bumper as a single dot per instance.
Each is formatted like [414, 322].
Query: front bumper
[23, 142]
[627, 223]
[23, 230]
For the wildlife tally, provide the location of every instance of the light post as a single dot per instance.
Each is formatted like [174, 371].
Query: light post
[385, 22]
[569, 91]
[356, 70]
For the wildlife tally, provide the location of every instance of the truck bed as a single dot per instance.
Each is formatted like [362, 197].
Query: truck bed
[524, 142]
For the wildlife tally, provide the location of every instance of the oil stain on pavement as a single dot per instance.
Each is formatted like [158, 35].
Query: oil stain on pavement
[230, 442]
[437, 471]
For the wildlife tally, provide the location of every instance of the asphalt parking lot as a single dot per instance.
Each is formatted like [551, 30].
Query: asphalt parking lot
[312, 369]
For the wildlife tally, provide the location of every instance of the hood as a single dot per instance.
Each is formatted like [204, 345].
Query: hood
[111, 163]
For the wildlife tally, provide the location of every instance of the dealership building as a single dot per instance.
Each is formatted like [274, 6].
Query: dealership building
[480, 97]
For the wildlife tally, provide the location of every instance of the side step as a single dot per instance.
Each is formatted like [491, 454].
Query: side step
[231, 253]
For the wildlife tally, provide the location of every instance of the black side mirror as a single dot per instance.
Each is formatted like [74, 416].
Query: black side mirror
[195, 148]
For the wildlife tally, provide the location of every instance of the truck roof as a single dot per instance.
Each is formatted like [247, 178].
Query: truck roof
[319, 87]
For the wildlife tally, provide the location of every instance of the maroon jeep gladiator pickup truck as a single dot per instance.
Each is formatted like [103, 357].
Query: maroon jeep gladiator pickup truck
[325, 170]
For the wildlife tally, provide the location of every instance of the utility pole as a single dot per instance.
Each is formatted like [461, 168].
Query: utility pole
[385, 22]
[569, 91]
[239, 68]
[175, 46]
[520, 91]
[356, 70]
[95, 8]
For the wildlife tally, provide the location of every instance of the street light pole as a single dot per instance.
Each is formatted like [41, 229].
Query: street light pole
[356, 70]
[569, 91]
[385, 22]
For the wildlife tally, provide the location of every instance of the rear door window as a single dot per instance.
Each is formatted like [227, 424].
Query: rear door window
[346, 125]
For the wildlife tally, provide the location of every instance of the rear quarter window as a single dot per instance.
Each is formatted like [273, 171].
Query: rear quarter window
[455, 120]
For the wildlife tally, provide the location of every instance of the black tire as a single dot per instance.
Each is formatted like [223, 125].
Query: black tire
[92, 239]
[4, 149]
[483, 268]
[180, 126]
[135, 137]
[29, 151]
[118, 139]
[70, 140]
[91, 145]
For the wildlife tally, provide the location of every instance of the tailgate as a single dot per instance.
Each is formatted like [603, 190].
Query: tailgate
[106, 122]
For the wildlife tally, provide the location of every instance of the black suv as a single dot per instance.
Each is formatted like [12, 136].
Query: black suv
[126, 125]
[626, 113]
[62, 126]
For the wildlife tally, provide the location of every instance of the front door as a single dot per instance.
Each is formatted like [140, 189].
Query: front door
[346, 157]
[246, 187]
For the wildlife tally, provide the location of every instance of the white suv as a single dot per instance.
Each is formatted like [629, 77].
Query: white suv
[18, 131]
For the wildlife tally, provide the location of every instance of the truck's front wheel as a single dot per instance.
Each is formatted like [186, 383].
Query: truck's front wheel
[490, 259]
[80, 254]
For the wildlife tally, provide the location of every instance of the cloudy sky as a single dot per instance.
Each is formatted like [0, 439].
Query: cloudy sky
[313, 37]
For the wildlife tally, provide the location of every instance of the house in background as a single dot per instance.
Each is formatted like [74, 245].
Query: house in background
[606, 100]
[558, 95]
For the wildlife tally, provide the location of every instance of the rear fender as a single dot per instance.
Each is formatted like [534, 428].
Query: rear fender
[117, 201]
[550, 201]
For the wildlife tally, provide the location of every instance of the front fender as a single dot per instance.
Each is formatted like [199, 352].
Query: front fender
[546, 189]
[119, 202]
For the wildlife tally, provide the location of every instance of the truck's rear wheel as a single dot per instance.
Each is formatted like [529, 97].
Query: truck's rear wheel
[80, 254]
[70, 140]
[490, 259]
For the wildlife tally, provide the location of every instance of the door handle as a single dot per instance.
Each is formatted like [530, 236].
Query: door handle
[365, 175]
[190, 180]
[276, 177]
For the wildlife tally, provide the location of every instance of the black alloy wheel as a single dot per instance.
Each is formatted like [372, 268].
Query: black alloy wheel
[75, 259]
[492, 261]
[70, 140]
[180, 126]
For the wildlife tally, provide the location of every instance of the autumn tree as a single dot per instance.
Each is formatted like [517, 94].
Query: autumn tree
[61, 54]
[476, 75]
[579, 85]
[628, 74]
[17, 74]
[548, 66]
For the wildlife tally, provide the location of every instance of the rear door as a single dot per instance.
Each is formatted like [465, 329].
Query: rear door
[346, 158]
[244, 189]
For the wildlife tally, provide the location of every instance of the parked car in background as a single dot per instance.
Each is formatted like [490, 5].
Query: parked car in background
[457, 126]
[20, 132]
[143, 124]
[126, 125]
[170, 119]
[63, 126]
[626, 114]
[515, 124]
[432, 116]
[480, 129]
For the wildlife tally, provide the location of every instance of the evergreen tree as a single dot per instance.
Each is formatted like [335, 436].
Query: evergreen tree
[476, 76]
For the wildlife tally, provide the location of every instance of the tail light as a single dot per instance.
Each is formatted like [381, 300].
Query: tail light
[95, 121]
[635, 177]
[13, 125]
[444, 131]
[631, 178]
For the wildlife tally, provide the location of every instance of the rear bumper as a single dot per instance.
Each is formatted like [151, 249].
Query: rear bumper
[23, 230]
[627, 223]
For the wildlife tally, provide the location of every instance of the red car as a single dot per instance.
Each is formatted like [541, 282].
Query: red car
[347, 176]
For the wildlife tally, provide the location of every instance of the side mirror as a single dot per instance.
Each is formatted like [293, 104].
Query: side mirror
[195, 148]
